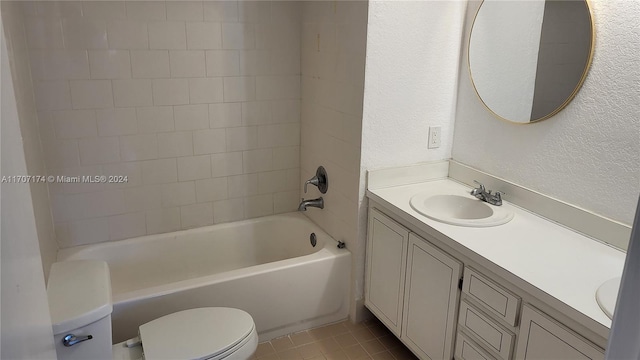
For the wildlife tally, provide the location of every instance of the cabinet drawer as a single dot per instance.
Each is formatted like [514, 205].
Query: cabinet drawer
[541, 337]
[485, 330]
[466, 349]
[495, 299]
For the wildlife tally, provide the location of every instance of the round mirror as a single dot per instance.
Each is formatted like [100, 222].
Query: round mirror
[528, 59]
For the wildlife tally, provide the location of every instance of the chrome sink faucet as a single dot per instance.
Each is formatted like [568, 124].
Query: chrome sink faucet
[485, 195]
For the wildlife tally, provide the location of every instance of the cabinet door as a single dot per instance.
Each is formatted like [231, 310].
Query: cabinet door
[385, 272]
[543, 338]
[430, 300]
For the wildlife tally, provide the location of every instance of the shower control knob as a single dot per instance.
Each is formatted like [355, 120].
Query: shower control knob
[320, 180]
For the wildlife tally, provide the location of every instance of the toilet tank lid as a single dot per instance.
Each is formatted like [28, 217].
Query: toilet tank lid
[79, 293]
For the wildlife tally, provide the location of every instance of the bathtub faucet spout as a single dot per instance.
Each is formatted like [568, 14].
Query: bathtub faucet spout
[319, 203]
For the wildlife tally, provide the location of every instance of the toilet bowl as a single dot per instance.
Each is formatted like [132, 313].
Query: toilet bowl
[79, 295]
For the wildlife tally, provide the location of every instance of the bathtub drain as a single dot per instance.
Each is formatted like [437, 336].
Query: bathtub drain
[313, 239]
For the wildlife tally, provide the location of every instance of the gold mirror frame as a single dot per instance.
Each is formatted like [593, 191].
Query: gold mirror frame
[569, 98]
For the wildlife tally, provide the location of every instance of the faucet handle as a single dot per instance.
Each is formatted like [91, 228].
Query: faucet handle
[319, 180]
[497, 198]
[481, 187]
[313, 181]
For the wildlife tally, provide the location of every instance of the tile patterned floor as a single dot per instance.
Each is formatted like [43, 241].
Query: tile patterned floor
[344, 340]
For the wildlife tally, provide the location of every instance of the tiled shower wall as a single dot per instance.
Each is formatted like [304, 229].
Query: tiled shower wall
[196, 102]
[334, 38]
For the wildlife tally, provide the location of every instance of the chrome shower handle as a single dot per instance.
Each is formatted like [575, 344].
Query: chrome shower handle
[320, 180]
[313, 181]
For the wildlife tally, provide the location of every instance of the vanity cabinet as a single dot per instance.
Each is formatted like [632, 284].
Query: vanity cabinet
[543, 338]
[418, 292]
[430, 300]
[386, 267]
[412, 287]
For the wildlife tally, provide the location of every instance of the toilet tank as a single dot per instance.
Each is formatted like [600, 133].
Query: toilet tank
[80, 304]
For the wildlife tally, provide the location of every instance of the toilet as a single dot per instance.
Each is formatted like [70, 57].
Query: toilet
[80, 303]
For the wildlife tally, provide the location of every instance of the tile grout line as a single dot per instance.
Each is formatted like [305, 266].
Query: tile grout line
[312, 341]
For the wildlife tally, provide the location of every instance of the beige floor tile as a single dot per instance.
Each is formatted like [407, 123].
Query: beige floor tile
[339, 341]
[385, 355]
[356, 352]
[322, 332]
[269, 357]
[264, 349]
[363, 334]
[353, 327]
[328, 345]
[336, 355]
[301, 338]
[373, 346]
[346, 340]
[338, 328]
[319, 357]
[282, 343]
[308, 351]
[291, 354]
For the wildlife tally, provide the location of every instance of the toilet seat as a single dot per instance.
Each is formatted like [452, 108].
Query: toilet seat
[204, 333]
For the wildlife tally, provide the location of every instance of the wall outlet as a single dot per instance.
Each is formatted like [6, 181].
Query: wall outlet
[435, 133]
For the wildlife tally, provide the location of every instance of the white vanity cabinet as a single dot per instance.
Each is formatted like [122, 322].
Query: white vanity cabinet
[412, 287]
[543, 338]
[430, 300]
[386, 266]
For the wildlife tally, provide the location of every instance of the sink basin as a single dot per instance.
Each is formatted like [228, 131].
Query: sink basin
[607, 295]
[460, 210]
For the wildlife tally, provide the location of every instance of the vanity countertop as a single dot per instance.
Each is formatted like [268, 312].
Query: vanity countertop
[559, 262]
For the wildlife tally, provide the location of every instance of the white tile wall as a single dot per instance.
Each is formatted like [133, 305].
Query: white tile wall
[333, 58]
[166, 93]
[132, 92]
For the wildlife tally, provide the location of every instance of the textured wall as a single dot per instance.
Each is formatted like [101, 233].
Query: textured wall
[334, 38]
[412, 65]
[410, 83]
[19, 61]
[589, 153]
[197, 102]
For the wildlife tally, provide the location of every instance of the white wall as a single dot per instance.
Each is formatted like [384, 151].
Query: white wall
[588, 154]
[26, 323]
[333, 56]
[413, 50]
[21, 74]
[412, 65]
[197, 102]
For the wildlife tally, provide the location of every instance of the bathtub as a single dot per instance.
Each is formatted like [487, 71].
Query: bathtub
[265, 266]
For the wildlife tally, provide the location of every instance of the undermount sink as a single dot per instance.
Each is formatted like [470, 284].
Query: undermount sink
[607, 295]
[460, 210]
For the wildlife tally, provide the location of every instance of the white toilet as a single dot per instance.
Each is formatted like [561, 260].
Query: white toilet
[80, 304]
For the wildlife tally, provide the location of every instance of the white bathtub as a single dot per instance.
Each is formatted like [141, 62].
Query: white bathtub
[265, 266]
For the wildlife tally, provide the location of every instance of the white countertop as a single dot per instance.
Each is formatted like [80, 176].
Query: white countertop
[564, 264]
